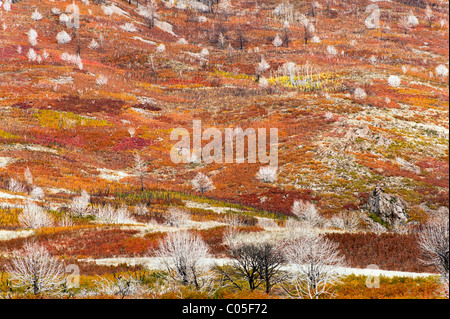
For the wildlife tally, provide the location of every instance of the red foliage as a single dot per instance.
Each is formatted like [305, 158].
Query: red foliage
[94, 243]
[67, 140]
[77, 105]
[132, 143]
[387, 251]
[22, 105]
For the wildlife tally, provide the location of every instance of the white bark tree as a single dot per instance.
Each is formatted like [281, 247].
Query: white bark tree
[433, 241]
[140, 169]
[262, 67]
[63, 37]
[429, 15]
[28, 176]
[307, 213]
[183, 256]
[148, 11]
[34, 216]
[32, 37]
[109, 215]
[121, 286]
[80, 205]
[34, 269]
[314, 260]
[176, 217]
[16, 186]
[267, 174]
[277, 41]
[202, 183]
[308, 27]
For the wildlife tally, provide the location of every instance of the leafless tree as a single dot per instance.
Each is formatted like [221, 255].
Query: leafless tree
[80, 205]
[140, 168]
[34, 269]
[433, 241]
[429, 15]
[109, 215]
[267, 174]
[176, 217]
[148, 11]
[286, 34]
[308, 27]
[271, 259]
[348, 221]
[120, 285]
[28, 176]
[141, 209]
[35, 217]
[202, 183]
[244, 267]
[16, 186]
[37, 193]
[404, 24]
[256, 261]
[314, 260]
[307, 212]
[184, 256]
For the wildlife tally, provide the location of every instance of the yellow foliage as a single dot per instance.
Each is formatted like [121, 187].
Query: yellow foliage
[65, 120]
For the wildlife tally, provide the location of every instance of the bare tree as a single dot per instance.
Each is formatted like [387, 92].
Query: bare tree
[176, 217]
[202, 183]
[314, 260]
[16, 186]
[404, 24]
[35, 217]
[34, 269]
[286, 34]
[140, 168]
[267, 174]
[121, 286]
[307, 212]
[308, 27]
[348, 221]
[270, 261]
[433, 241]
[28, 176]
[429, 15]
[80, 205]
[184, 255]
[256, 261]
[109, 215]
[148, 11]
[141, 209]
[262, 67]
[244, 267]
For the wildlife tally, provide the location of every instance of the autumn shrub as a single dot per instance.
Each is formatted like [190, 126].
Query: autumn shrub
[91, 242]
[132, 143]
[9, 218]
[354, 287]
[389, 251]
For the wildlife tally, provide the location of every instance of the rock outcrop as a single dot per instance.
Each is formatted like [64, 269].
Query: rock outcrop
[389, 208]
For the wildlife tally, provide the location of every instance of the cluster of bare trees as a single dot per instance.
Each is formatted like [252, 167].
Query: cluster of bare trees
[302, 266]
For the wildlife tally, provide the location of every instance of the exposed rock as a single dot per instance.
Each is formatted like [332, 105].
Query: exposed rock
[389, 208]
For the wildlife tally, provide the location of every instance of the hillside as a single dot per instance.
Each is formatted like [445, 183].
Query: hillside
[358, 91]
